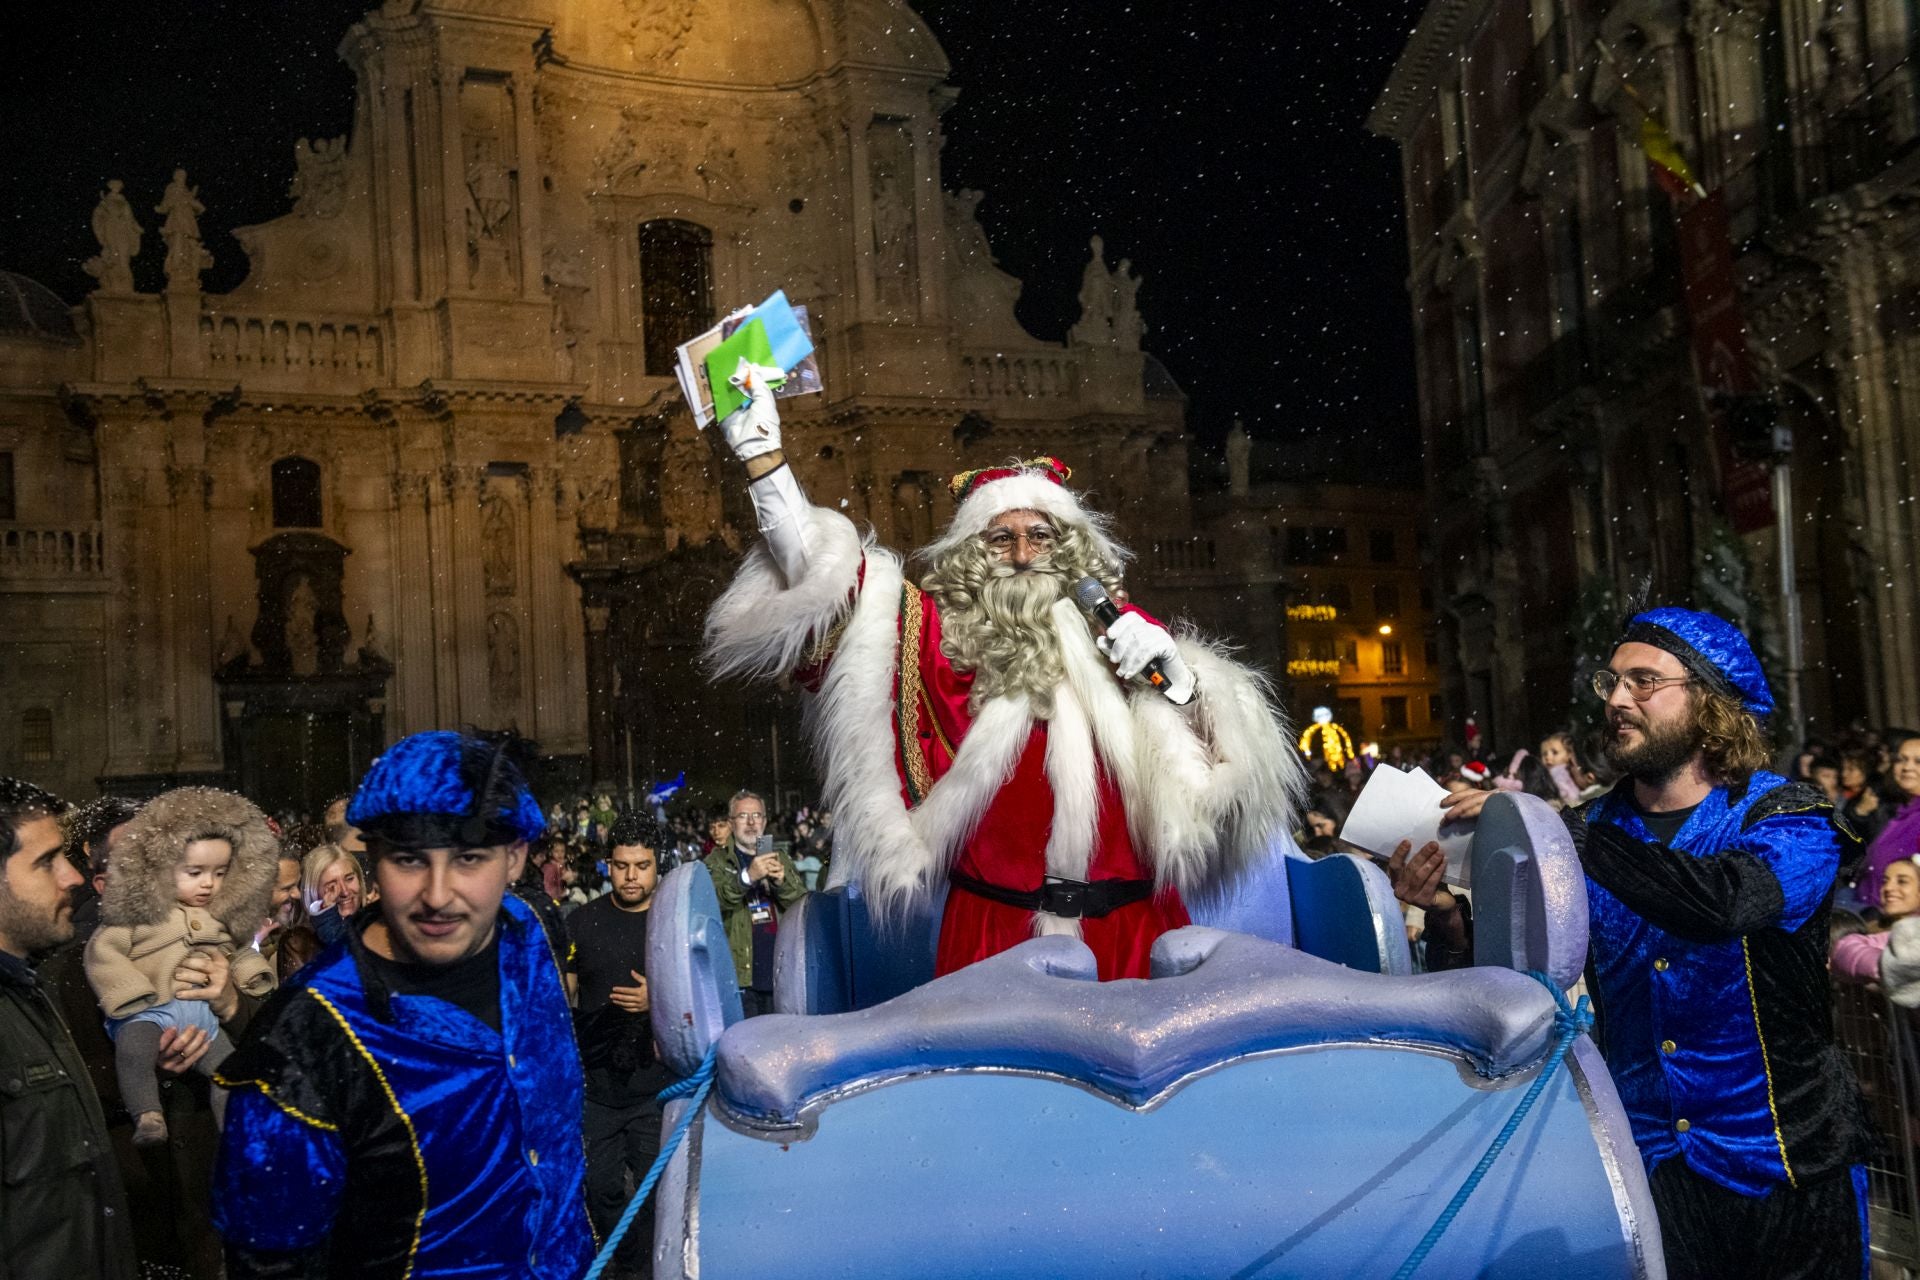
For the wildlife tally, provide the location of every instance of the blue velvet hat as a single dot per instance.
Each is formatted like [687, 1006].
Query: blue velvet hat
[446, 790]
[1712, 650]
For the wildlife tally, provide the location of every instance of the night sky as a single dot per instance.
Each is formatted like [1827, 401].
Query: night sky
[1219, 146]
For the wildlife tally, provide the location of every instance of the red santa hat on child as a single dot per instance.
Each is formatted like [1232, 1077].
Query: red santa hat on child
[1037, 484]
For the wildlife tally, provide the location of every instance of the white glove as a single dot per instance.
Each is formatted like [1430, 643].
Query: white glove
[1132, 642]
[754, 428]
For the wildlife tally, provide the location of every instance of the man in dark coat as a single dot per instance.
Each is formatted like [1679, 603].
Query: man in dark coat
[63, 1211]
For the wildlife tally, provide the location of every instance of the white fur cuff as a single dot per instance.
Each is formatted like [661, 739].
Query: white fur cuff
[762, 626]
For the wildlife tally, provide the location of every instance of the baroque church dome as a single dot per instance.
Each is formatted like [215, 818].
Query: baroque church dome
[737, 43]
[28, 309]
[747, 43]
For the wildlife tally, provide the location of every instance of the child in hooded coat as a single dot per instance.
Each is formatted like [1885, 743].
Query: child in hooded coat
[194, 870]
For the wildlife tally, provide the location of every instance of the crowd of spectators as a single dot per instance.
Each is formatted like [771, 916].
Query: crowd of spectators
[762, 861]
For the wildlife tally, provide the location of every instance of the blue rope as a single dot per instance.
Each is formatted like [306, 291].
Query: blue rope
[1569, 1021]
[698, 1084]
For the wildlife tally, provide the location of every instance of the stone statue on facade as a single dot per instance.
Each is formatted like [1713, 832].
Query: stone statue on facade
[303, 639]
[118, 233]
[893, 224]
[186, 256]
[319, 187]
[1128, 327]
[1239, 460]
[490, 192]
[1097, 300]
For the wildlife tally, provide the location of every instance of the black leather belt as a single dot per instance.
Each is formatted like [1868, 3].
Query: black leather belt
[1070, 899]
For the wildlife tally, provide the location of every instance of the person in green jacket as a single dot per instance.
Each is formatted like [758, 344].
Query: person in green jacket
[754, 888]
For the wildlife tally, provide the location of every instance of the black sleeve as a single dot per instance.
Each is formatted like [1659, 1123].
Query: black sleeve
[1706, 899]
[1441, 958]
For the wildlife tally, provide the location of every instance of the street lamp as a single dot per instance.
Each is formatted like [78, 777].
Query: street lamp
[1386, 628]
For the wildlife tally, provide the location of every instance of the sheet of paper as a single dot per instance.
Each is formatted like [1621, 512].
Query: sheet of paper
[1396, 806]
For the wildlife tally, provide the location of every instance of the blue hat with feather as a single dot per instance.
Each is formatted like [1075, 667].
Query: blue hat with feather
[1713, 651]
[447, 790]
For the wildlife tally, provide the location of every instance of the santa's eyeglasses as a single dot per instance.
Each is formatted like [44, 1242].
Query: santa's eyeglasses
[1002, 541]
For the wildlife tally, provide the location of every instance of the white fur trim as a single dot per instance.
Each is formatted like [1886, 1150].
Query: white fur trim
[899, 857]
[1074, 776]
[1030, 490]
[1206, 785]
[762, 626]
[1219, 776]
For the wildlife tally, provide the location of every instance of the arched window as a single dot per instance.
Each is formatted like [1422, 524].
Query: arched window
[36, 735]
[296, 494]
[676, 288]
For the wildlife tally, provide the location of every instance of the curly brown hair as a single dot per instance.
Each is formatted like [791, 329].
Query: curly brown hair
[1732, 742]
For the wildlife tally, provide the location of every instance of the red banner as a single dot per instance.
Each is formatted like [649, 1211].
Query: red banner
[1721, 364]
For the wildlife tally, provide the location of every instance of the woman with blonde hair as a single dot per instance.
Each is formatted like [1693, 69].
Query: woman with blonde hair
[334, 888]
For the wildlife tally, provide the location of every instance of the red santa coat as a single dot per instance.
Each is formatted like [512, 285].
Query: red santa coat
[1118, 784]
[1009, 846]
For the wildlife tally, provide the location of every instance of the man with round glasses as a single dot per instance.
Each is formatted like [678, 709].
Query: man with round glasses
[979, 734]
[1708, 884]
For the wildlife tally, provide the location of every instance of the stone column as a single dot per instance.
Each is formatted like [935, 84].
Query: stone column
[133, 530]
[930, 221]
[1865, 373]
[196, 706]
[468, 614]
[415, 707]
[574, 694]
[453, 183]
[602, 683]
[526, 188]
[446, 671]
[553, 720]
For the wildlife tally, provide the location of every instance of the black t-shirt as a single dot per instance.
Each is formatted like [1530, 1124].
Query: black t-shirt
[616, 1047]
[1665, 826]
[472, 984]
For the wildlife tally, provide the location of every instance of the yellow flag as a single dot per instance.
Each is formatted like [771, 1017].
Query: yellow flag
[1672, 168]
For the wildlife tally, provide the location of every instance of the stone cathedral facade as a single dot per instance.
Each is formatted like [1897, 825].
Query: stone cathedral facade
[427, 467]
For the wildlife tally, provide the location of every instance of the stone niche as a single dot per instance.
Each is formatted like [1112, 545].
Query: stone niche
[300, 628]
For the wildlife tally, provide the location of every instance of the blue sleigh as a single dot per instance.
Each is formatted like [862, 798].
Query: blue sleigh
[1283, 1097]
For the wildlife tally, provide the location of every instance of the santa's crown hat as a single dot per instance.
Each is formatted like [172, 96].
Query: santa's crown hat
[1036, 484]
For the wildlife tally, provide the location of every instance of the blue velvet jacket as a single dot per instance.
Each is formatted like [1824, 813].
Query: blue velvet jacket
[1710, 960]
[375, 1135]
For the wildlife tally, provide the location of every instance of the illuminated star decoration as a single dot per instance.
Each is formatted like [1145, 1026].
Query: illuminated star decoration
[1335, 744]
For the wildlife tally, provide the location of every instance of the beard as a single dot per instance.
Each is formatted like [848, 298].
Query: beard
[997, 622]
[1663, 750]
[35, 931]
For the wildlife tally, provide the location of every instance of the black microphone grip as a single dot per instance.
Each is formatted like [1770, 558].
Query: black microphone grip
[1106, 613]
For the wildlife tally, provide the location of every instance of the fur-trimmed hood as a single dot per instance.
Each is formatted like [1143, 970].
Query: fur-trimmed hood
[140, 872]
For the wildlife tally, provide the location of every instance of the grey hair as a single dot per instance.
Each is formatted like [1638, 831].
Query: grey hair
[997, 624]
[744, 794]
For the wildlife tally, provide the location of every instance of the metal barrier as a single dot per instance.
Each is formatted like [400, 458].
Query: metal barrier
[1877, 1037]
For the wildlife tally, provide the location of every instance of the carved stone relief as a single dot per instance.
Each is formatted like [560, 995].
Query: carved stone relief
[319, 186]
[896, 265]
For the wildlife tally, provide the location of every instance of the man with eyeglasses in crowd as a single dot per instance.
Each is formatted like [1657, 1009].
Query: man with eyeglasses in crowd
[755, 885]
[1708, 884]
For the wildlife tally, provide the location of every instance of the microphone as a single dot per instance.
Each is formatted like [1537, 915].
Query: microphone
[1093, 598]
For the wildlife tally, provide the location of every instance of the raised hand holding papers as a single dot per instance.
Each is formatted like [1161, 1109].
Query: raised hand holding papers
[773, 335]
[1396, 806]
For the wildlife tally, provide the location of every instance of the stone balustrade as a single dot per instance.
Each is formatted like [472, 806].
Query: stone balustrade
[1029, 375]
[51, 552]
[241, 344]
[1183, 555]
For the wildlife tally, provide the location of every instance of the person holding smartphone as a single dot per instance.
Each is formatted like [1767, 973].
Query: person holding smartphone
[755, 884]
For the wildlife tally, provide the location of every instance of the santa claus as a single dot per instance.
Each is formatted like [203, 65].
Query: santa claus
[974, 728]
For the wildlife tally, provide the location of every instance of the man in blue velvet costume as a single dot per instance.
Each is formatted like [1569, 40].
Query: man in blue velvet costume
[410, 1104]
[1708, 885]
